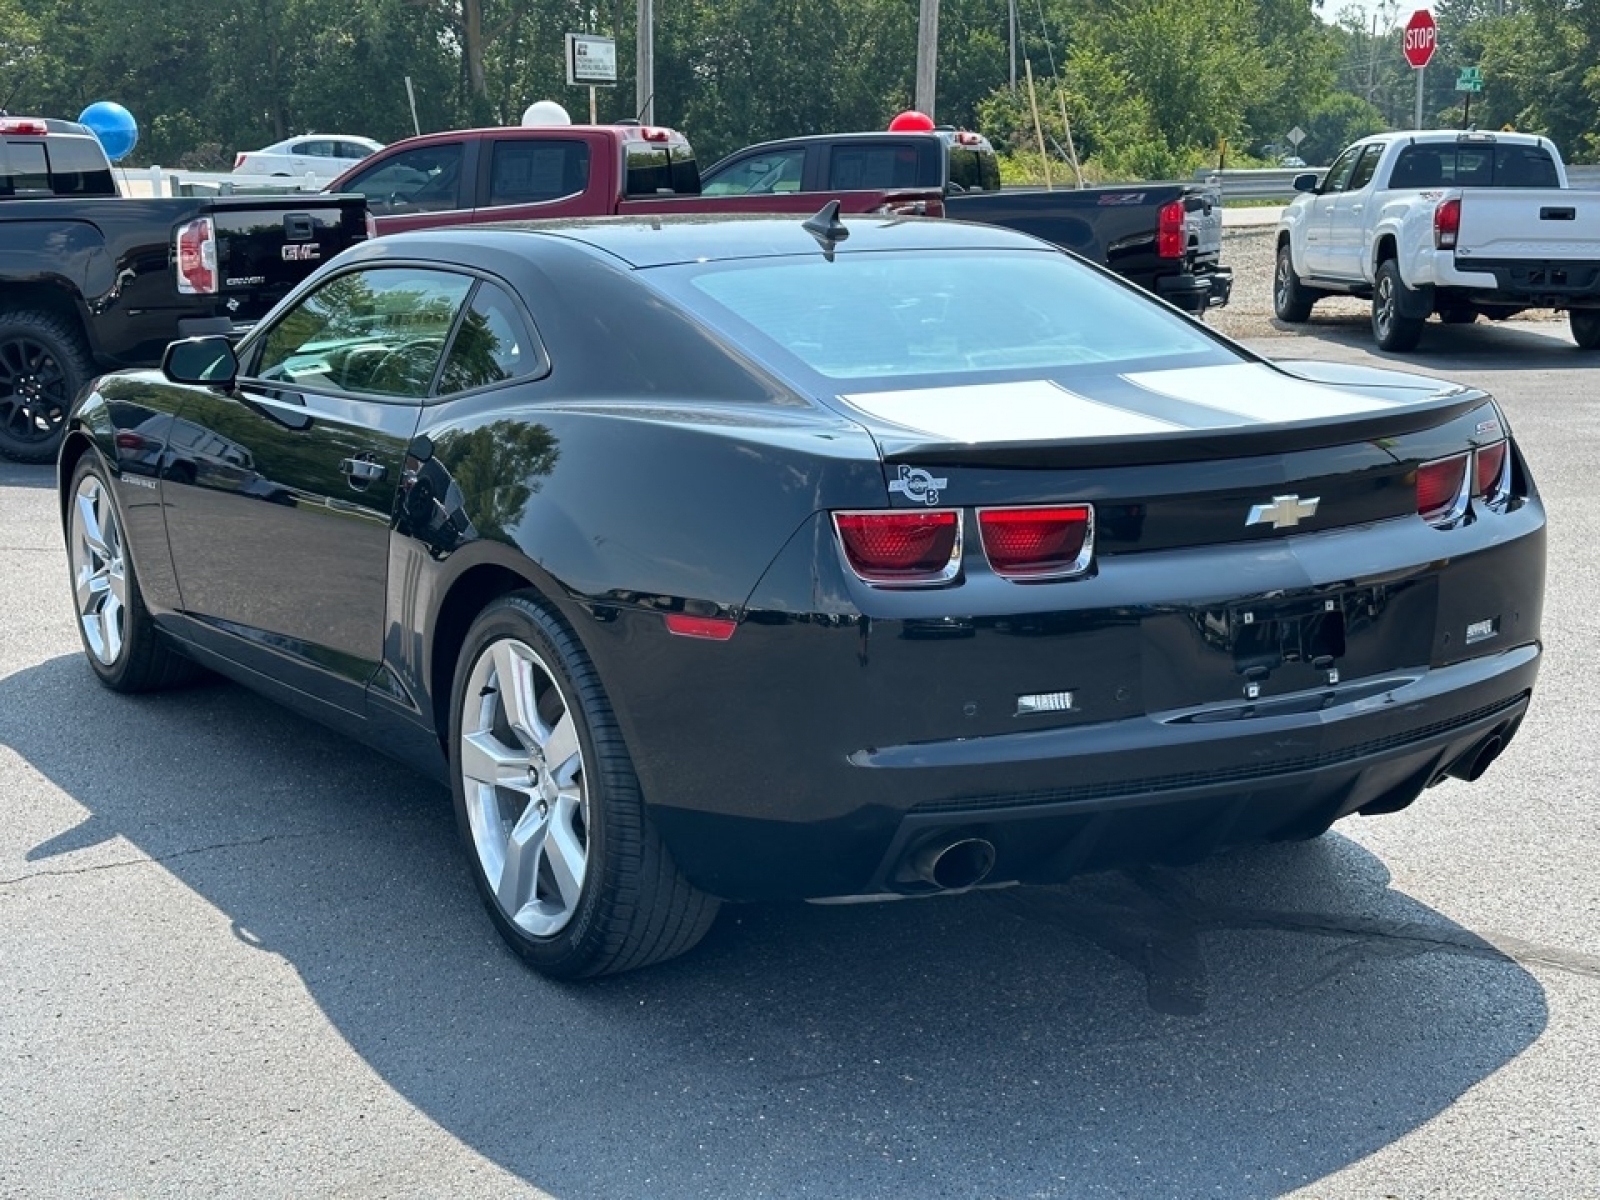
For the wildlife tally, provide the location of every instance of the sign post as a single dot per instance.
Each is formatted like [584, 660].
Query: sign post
[591, 60]
[1421, 40]
[1468, 81]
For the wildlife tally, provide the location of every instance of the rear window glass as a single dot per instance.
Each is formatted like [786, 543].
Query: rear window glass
[957, 314]
[529, 172]
[974, 170]
[24, 170]
[1474, 164]
[856, 168]
[655, 170]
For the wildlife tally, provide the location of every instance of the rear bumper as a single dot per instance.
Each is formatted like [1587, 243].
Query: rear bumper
[1532, 283]
[1197, 292]
[1164, 786]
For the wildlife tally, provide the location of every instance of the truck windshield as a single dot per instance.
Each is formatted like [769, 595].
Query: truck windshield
[1474, 164]
[964, 313]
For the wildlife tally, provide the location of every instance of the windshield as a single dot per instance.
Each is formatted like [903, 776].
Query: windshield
[928, 315]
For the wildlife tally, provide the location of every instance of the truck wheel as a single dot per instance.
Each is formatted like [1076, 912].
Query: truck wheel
[1392, 330]
[43, 363]
[1585, 323]
[564, 856]
[1291, 300]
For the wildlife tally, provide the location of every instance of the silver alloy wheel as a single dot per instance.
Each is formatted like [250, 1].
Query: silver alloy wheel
[1383, 308]
[99, 570]
[523, 778]
[1282, 281]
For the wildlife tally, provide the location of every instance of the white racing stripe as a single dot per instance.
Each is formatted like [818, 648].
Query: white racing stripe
[1030, 411]
[1255, 392]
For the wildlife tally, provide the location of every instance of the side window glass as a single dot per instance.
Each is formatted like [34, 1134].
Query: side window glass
[1365, 169]
[427, 179]
[528, 171]
[760, 174]
[300, 148]
[492, 343]
[1339, 174]
[379, 331]
[851, 168]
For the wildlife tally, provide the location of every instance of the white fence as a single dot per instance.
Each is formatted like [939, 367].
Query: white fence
[159, 181]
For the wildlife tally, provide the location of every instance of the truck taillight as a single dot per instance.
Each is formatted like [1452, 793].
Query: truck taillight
[372, 225]
[197, 257]
[902, 548]
[1169, 230]
[1447, 224]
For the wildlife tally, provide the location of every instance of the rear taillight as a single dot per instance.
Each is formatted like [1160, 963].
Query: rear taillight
[197, 257]
[372, 225]
[128, 440]
[238, 161]
[1169, 230]
[1447, 224]
[1442, 490]
[1038, 543]
[1491, 473]
[902, 548]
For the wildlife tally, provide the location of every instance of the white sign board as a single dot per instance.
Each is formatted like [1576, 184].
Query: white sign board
[591, 60]
[1296, 136]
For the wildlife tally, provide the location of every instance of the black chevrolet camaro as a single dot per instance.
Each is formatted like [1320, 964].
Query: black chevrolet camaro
[741, 559]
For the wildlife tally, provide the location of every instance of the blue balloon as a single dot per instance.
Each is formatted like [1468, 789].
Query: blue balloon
[113, 125]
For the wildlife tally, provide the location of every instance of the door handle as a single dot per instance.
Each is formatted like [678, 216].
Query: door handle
[362, 471]
[1355, 208]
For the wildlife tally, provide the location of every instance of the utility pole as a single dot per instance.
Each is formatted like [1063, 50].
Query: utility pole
[1012, 6]
[645, 83]
[927, 55]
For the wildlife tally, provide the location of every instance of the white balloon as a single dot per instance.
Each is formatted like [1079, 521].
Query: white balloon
[546, 112]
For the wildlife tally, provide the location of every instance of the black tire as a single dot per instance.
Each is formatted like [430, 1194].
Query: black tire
[1390, 328]
[118, 633]
[1464, 315]
[1585, 326]
[1291, 299]
[631, 907]
[43, 364]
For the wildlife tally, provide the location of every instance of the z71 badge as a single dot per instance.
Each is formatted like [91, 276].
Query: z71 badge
[302, 252]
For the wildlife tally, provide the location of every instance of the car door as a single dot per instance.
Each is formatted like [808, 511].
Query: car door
[524, 178]
[1349, 215]
[411, 188]
[1319, 221]
[282, 560]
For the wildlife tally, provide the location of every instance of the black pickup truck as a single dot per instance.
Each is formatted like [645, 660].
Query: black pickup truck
[1165, 237]
[91, 281]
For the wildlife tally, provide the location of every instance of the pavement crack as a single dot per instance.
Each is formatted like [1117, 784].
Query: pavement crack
[156, 859]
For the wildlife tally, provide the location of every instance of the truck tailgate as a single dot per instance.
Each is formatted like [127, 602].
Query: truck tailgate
[268, 244]
[1545, 224]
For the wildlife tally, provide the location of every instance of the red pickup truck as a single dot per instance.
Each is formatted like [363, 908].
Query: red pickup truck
[519, 173]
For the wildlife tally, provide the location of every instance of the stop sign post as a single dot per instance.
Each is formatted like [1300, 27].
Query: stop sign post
[1421, 39]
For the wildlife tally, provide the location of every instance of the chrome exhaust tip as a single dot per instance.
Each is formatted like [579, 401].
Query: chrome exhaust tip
[954, 864]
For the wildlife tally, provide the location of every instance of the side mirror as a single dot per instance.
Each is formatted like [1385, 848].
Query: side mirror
[207, 359]
[1306, 182]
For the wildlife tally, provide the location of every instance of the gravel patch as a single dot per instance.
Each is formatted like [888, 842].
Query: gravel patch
[1249, 250]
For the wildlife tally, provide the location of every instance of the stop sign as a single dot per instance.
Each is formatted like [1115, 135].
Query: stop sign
[1422, 38]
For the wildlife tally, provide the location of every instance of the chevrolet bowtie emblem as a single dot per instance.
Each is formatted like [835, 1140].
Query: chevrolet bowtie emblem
[1283, 512]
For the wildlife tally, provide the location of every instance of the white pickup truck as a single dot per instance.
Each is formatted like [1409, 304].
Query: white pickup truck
[1459, 224]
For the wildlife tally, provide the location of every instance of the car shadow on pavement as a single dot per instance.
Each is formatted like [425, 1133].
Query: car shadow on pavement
[1240, 1027]
[1483, 346]
[26, 475]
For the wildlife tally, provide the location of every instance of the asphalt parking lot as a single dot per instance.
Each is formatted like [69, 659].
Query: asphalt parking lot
[242, 957]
